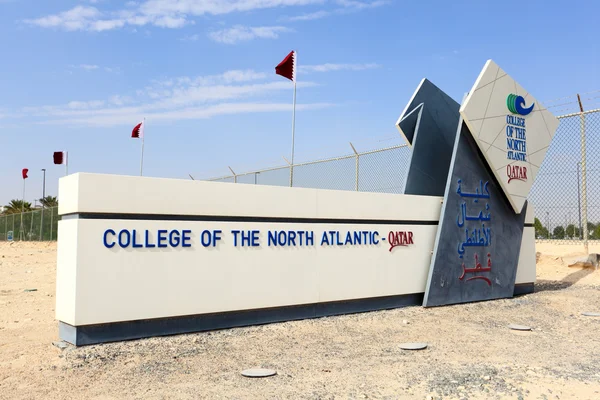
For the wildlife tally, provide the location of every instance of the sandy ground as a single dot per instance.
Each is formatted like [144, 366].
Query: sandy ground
[471, 352]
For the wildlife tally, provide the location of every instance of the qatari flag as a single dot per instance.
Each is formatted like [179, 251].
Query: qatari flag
[287, 68]
[138, 131]
[59, 157]
[24, 173]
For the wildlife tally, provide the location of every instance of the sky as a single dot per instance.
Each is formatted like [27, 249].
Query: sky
[78, 75]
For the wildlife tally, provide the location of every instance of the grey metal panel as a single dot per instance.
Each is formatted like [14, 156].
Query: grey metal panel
[479, 243]
[429, 124]
[111, 332]
[409, 122]
[67, 333]
[523, 288]
[127, 330]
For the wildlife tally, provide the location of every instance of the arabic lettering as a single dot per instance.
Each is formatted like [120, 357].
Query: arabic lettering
[477, 227]
[477, 238]
[462, 217]
[477, 269]
[480, 193]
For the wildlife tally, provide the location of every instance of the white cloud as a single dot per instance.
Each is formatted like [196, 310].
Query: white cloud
[241, 33]
[337, 67]
[204, 112]
[231, 92]
[227, 77]
[85, 105]
[361, 5]
[105, 25]
[191, 38]
[87, 67]
[345, 7]
[175, 14]
[162, 13]
[202, 7]
[94, 67]
[170, 22]
[118, 100]
[310, 16]
[77, 18]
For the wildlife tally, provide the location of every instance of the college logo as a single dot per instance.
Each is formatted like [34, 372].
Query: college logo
[516, 105]
[516, 137]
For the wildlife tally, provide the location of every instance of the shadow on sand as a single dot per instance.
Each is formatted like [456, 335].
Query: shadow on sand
[544, 285]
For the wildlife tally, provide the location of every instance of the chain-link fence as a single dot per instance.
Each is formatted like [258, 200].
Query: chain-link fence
[38, 225]
[566, 192]
[382, 170]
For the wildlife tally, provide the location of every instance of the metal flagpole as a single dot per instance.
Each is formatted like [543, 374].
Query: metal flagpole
[66, 163]
[293, 123]
[22, 210]
[43, 207]
[142, 158]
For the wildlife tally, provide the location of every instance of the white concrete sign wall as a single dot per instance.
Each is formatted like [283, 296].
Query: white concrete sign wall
[133, 249]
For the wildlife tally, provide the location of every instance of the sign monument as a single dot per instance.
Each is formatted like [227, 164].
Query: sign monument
[141, 257]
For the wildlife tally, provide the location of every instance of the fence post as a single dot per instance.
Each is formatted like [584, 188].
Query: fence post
[234, 175]
[51, 221]
[356, 173]
[583, 177]
[31, 227]
[42, 225]
[580, 234]
[291, 171]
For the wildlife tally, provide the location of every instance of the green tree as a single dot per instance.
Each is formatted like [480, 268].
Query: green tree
[49, 201]
[592, 230]
[597, 231]
[559, 232]
[16, 206]
[540, 231]
[572, 231]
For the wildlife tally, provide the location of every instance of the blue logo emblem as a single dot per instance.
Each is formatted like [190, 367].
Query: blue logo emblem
[516, 105]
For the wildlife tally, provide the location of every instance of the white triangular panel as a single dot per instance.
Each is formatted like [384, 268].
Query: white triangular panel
[510, 139]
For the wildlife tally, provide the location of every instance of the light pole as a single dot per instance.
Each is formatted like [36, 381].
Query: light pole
[44, 185]
[548, 223]
[43, 199]
[579, 197]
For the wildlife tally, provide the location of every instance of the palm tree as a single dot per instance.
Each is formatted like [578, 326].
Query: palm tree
[49, 201]
[16, 206]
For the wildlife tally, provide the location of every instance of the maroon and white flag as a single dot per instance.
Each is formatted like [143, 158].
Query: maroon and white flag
[60, 157]
[138, 131]
[287, 68]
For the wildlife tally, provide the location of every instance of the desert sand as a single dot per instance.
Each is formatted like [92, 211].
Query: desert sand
[471, 354]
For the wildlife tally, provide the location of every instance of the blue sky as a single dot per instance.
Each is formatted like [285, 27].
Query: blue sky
[77, 75]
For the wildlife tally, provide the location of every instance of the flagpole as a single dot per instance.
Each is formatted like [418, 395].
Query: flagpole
[22, 211]
[66, 163]
[293, 132]
[142, 158]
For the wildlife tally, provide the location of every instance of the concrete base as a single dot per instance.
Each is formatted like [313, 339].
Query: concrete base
[118, 331]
